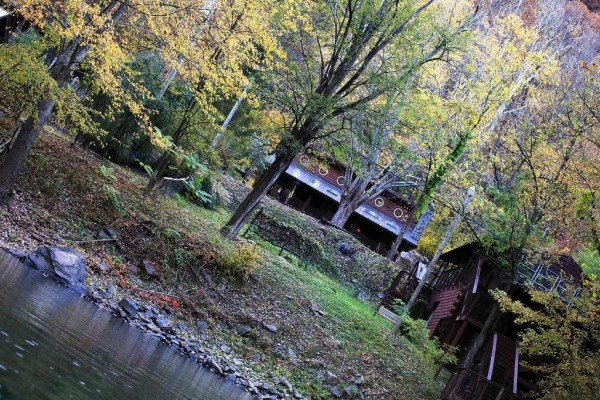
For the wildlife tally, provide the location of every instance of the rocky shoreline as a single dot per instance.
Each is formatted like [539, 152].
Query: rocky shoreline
[68, 267]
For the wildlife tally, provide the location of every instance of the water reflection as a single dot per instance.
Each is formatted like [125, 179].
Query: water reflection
[55, 345]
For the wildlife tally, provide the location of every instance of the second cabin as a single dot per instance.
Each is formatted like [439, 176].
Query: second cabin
[315, 187]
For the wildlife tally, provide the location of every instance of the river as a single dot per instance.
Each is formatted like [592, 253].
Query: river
[55, 345]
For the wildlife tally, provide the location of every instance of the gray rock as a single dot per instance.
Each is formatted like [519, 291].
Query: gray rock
[163, 324]
[352, 392]
[232, 377]
[102, 267]
[316, 309]
[270, 327]
[150, 269]
[133, 269]
[129, 306]
[181, 326]
[331, 378]
[280, 350]
[291, 353]
[213, 364]
[63, 263]
[362, 296]
[110, 289]
[286, 383]
[345, 249]
[336, 392]
[108, 233]
[201, 325]
[359, 380]
[244, 330]
[224, 348]
[15, 253]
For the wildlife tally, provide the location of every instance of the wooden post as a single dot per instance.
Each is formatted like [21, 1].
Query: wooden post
[307, 202]
[399, 238]
[438, 253]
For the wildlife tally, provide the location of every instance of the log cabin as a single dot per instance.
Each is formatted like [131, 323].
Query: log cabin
[314, 186]
[458, 304]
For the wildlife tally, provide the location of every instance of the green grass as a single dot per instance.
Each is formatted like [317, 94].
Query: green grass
[350, 322]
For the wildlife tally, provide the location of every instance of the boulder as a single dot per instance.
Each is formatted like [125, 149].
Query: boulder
[270, 327]
[64, 264]
[345, 249]
[201, 325]
[108, 233]
[150, 269]
[244, 330]
[164, 324]
[129, 306]
[331, 378]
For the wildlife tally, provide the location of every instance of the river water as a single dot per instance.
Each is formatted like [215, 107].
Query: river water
[56, 345]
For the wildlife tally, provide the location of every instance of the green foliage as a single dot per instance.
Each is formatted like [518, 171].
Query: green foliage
[108, 173]
[113, 198]
[561, 339]
[589, 260]
[241, 261]
[196, 192]
[415, 330]
[419, 309]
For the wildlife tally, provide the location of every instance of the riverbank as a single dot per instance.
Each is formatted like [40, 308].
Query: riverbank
[284, 321]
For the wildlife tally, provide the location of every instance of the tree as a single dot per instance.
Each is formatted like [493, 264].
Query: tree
[343, 57]
[368, 142]
[561, 339]
[77, 31]
[218, 60]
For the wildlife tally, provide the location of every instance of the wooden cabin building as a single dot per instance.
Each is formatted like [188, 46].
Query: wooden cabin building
[315, 187]
[459, 304]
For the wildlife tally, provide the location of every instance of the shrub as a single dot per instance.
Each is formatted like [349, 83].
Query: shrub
[241, 261]
[112, 196]
[416, 332]
[419, 309]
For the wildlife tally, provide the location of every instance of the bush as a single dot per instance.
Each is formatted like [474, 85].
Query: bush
[241, 261]
[416, 332]
[419, 309]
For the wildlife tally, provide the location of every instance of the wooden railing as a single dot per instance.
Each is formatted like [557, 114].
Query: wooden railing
[301, 206]
[466, 384]
[405, 285]
[478, 307]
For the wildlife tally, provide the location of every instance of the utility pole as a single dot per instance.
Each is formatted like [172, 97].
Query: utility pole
[230, 115]
[457, 218]
[208, 11]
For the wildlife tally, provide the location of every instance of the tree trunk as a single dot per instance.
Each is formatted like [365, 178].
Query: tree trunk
[488, 326]
[15, 158]
[345, 209]
[243, 211]
[398, 241]
[159, 172]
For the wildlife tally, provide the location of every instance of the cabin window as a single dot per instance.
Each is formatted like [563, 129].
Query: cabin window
[379, 202]
[323, 171]
[398, 213]
[341, 180]
[304, 160]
